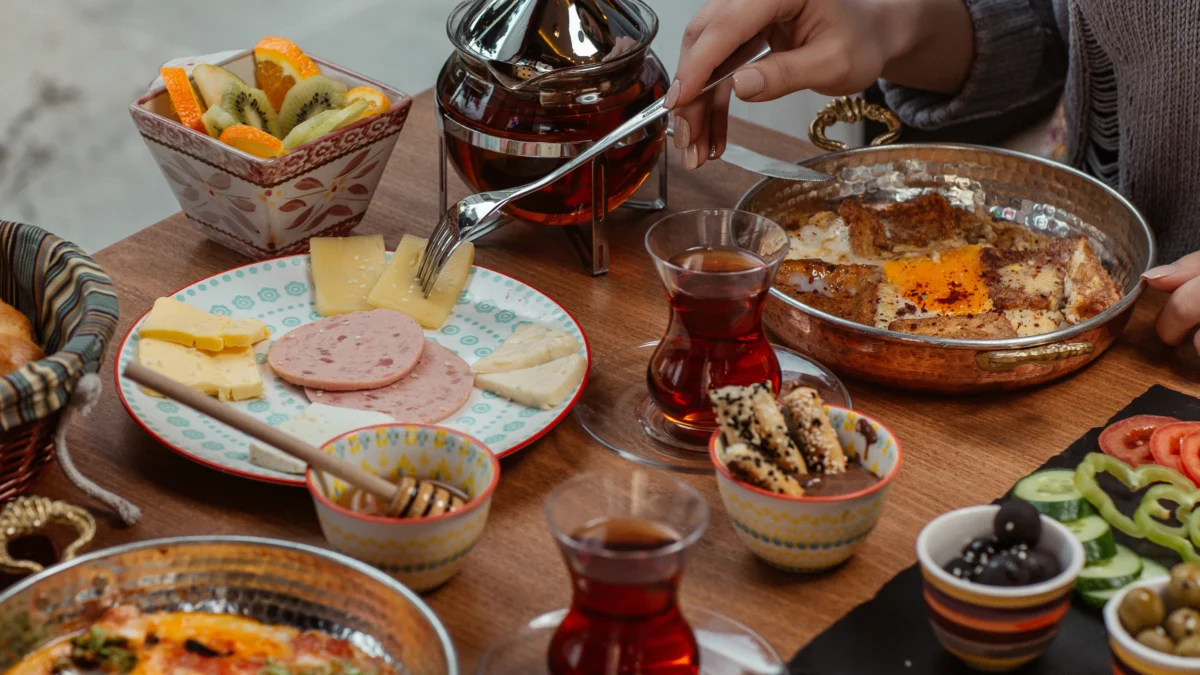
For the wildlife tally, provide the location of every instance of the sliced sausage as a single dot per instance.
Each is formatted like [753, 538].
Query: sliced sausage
[439, 385]
[362, 350]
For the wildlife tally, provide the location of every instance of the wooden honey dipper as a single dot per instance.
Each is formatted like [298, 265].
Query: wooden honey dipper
[403, 498]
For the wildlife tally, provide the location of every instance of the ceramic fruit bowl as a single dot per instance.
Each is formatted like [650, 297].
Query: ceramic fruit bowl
[1130, 657]
[810, 534]
[994, 628]
[265, 208]
[422, 553]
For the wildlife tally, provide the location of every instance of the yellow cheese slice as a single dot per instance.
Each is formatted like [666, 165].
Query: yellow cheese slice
[344, 270]
[399, 289]
[230, 374]
[243, 332]
[175, 321]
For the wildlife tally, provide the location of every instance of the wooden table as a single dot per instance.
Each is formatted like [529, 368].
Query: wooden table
[958, 450]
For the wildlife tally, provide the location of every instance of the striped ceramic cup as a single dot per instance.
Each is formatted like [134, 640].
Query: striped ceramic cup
[1130, 657]
[993, 628]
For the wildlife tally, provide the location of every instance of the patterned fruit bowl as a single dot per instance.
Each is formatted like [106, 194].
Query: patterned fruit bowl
[266, 207]
[421, 552]
[811, 534]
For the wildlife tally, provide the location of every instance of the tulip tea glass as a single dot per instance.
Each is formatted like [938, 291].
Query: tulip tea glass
[625, 536]
[651, 403]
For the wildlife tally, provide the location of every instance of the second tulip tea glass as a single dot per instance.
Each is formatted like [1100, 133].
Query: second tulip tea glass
[650, 403]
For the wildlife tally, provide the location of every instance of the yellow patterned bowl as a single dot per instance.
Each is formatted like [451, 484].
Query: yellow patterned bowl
[422, 553]
[810, 534]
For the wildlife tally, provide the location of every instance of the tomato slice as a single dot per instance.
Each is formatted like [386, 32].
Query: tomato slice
[1129, 439]
[1165, 443]
[1189, 456]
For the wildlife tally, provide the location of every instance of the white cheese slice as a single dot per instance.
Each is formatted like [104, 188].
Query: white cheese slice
[316, 424]
[543, 386]
[530, 345]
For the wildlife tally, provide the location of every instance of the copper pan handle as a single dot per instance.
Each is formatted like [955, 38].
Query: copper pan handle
[850, 110]
[1002, 362]
[26, 515]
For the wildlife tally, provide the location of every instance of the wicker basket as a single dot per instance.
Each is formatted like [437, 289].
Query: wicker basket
[73, 308]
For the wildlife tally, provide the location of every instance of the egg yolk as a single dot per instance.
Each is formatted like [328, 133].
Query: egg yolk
[948, 285]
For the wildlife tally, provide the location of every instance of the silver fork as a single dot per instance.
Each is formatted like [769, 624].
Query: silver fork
[468, 219]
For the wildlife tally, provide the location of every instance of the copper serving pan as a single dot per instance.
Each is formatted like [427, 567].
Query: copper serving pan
[1043, 195]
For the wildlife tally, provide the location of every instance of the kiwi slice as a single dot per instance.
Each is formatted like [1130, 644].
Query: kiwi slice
[308, 97]
[250, 106]
[299, 135]
[213, 81]
[346, 116]
[217, 120]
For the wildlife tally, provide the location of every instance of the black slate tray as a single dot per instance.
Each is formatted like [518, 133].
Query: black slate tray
[890, 633]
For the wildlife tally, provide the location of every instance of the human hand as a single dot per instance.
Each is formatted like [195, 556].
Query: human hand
[1182, 312]
[834, 47]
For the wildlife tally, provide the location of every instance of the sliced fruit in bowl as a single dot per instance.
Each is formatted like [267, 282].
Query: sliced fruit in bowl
[377, 102]
[183, 98]
[279, 64]
[246, 104]
[253, 141]
[216, 120]
[309, 98]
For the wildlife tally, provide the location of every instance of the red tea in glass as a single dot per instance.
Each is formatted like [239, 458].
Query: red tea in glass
[717, 267]
[625, 537]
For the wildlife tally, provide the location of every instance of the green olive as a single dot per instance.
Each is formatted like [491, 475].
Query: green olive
[1157, 638]
[1182, 623]
[1140, 609]
[1188, 647]
[1183, 590]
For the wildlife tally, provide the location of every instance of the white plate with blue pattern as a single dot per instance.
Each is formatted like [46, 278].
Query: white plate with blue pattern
[280, 293]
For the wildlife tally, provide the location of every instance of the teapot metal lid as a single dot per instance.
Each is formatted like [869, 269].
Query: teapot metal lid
[524, 43]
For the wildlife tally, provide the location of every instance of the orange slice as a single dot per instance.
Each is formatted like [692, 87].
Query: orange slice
[253, 141]
[279, 64]
[183, 98]
[377, 103]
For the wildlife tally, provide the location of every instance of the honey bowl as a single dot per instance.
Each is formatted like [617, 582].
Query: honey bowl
[423, 552]
[811, 534]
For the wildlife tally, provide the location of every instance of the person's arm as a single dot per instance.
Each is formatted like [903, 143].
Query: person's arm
[1019, 60]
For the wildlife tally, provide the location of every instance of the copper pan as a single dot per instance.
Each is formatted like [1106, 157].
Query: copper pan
[1017, 187]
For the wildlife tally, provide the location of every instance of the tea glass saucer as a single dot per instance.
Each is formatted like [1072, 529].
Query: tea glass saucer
[726, 647]
[617, 410]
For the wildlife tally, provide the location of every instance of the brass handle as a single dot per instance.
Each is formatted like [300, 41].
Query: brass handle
[26, 515]
[1002, 362]
[850, 110]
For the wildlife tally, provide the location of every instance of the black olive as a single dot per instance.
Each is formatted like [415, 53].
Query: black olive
[960, 568]
[201, 649]
[1003, 569]
[979, 550]
[1017, 522]
[1042, 566]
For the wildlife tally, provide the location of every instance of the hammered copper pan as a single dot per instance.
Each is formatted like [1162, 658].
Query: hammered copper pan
[1040, 194]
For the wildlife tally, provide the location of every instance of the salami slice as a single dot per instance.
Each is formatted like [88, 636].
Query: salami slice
[439, 385]
[362, 350]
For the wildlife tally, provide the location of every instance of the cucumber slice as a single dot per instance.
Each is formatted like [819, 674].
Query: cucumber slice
[1052, 492]
[1095, 535]
[1150, 570]
[1120, 570]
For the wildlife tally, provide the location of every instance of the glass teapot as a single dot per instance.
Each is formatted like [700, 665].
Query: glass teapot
[534, 82]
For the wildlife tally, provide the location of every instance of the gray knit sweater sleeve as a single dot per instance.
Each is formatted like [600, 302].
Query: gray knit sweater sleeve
[1020, 60]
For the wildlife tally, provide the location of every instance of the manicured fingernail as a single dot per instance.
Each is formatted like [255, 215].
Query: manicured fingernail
[683, 133]
[691, 158]
[748, 83]
[672, 95]
[1160, 271]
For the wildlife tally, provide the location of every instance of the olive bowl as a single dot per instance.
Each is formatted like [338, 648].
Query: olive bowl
[1130, 657]
[994, 628]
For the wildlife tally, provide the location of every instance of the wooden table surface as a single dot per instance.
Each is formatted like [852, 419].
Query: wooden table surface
[958, 450]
